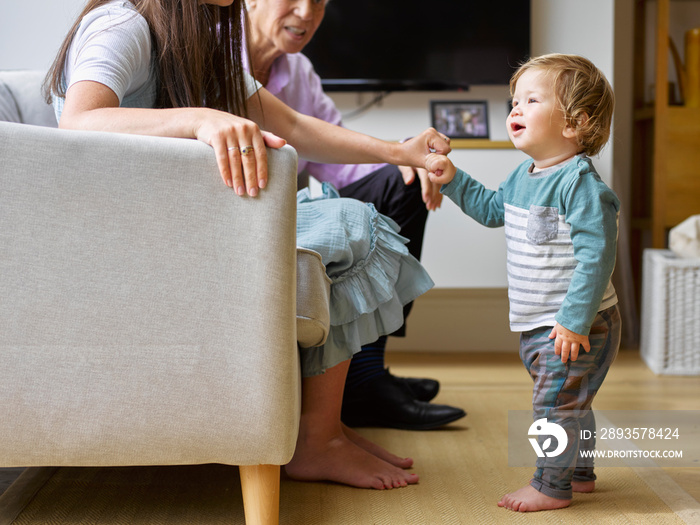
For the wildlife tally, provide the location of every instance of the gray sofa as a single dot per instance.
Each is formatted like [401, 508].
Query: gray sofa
[148, 315]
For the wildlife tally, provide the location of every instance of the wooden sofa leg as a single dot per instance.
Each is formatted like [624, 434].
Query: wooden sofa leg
[261, 494]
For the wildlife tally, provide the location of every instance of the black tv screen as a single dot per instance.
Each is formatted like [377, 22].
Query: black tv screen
[419, 45]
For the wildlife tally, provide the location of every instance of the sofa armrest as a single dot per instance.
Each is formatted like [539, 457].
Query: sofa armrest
[148, 312]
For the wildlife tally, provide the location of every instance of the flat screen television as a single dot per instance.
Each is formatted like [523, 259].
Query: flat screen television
[385, 45]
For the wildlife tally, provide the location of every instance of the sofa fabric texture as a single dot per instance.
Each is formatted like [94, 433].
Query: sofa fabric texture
[144, 320]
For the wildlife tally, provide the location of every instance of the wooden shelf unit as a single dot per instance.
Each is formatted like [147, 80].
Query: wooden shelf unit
[665, 182]
[481, 144]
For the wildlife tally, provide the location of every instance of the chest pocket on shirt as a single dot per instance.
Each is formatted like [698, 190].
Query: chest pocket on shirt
[542, 224]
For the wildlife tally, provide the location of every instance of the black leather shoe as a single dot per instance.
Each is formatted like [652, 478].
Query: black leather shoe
[387, 402]
[421, 389]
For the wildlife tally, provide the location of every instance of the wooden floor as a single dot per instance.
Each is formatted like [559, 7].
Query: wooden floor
[630, 385]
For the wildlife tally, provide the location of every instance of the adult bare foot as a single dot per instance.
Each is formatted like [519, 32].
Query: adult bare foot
[342, 461]
[527, 499]
[376, 450]
[583, 486]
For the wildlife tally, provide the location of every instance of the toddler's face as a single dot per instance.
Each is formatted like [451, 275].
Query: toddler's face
[536, 124]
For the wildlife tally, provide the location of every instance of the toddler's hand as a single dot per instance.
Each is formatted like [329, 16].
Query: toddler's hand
[440, 168]
[568, 343]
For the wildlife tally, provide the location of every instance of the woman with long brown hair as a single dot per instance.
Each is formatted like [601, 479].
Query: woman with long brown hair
[172, 68]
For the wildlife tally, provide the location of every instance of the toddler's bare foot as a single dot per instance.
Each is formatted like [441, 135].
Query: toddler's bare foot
[583, 486]
[527, 499]
[376, 450]
[342, 461]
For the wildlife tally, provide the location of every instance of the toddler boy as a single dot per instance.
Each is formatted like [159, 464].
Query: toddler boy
[561, 226]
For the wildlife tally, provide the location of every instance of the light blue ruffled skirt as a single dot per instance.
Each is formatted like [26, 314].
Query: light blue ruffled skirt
[372, 274]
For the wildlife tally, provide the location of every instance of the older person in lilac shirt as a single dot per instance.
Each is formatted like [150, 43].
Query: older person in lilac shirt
[279, 30]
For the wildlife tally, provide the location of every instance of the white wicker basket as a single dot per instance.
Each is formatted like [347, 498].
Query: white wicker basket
[670, 331]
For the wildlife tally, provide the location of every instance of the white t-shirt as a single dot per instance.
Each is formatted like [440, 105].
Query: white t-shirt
[112, 46]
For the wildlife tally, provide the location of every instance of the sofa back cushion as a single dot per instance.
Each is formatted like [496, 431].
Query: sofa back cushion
[21, 99]
[8, 106]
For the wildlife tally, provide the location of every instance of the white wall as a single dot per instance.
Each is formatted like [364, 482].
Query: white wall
[32, 31]
[457, 252]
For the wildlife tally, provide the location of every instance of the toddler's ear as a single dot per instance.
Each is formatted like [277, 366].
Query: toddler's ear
[571, 132]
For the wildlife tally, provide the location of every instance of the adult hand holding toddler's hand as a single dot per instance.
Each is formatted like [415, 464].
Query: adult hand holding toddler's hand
[415, 149]
[239, 146]
[435, 141]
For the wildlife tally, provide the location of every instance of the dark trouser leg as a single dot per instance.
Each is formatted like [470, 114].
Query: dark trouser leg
[373, 397]
[385, 189]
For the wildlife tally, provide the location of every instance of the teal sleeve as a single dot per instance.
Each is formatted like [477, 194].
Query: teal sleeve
[592, 212]
[477, 201]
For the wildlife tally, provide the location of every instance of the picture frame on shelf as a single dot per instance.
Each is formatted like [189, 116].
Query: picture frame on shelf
[460, 119]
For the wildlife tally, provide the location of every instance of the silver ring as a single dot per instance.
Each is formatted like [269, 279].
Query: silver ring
[246, 150]
[232, 148]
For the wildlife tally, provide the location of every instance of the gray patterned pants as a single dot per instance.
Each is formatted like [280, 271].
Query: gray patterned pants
[563, 393]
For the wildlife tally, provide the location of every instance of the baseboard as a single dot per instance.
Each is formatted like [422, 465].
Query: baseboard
[458, 320]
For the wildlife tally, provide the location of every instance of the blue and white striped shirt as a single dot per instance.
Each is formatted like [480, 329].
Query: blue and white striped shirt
[561, 228]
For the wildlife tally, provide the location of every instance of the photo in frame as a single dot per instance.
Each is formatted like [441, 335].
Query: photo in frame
[460, 119]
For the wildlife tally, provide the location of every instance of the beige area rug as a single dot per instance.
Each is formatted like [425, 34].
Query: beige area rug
[463, 471]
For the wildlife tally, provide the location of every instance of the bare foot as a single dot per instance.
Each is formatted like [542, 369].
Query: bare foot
[376, 450]
[342, 461]
[527, 499]
[583, 486]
